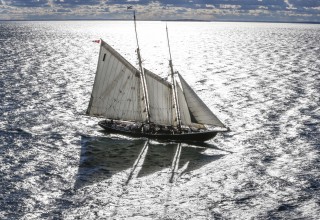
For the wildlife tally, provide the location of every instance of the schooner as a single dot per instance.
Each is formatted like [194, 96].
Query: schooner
[140, 103]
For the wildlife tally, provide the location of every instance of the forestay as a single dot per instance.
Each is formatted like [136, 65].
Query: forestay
[197, 107]
[116, 91]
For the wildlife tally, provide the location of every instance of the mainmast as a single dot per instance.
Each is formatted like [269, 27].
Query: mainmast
[142, 74]
[174, 85]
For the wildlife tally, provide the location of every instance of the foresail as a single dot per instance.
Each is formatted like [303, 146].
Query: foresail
[199, 110]
[160, 99]
[184, 110]
[116, 91]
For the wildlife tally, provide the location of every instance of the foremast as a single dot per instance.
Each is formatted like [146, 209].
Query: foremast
[142, 74]
[174, 86]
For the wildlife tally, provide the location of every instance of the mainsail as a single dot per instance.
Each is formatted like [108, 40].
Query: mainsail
[117, 88]
[199, 110]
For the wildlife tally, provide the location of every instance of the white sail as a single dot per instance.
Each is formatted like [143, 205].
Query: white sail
[184, 110]
[160, 99]
[199, 110]
[117, 88]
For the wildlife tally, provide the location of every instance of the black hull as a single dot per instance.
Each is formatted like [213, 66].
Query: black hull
[199, 136]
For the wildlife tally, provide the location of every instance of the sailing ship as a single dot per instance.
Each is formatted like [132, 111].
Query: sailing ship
[139, 103]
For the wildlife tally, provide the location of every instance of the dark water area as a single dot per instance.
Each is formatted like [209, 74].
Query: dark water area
[260, 79]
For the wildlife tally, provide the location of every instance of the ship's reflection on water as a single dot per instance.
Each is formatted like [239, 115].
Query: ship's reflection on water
[102, 157]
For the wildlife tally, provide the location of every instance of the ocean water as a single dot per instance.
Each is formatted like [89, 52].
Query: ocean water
[260, 79]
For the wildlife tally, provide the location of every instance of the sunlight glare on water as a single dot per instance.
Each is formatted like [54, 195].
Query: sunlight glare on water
[261, 79]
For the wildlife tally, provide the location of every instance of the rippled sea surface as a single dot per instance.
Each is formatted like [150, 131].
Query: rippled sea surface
[260, 79]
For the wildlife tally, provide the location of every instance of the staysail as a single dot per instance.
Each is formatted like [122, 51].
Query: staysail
[162, 109]
[117, 88]
[160, 99]
[199, 110]
[184, 110]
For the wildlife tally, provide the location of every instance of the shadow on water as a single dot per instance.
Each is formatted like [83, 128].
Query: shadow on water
[189, 157]
[102, 157]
